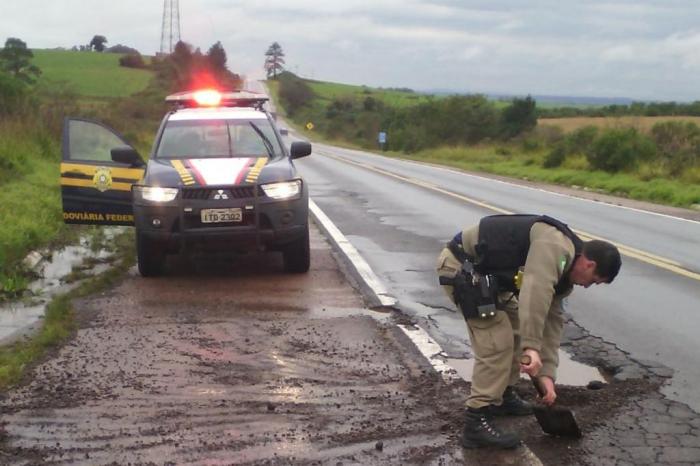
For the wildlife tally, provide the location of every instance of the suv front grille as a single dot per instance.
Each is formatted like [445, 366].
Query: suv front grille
[237, 192]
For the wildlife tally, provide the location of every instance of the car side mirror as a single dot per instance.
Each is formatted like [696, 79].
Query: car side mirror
[127, 155]
[299, 149]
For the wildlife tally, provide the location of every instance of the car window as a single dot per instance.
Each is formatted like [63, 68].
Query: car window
[91, 141]
[217, 138]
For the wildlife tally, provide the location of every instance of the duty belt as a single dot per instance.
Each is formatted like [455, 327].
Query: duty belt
[456, 248]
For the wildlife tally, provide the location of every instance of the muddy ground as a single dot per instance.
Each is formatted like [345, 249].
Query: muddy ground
[235, 362]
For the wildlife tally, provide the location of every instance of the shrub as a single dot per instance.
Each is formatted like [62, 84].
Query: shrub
[132, 61]
[294, 92]
[620, 149]
[555, 157]
[14, 95]
[581, 140]
[518, 117]
[678, 145]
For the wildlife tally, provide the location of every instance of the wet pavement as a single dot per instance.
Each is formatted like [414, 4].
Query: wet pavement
[233, 363]
[228, 361]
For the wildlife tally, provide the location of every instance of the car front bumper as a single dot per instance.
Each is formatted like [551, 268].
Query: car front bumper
[266, 224]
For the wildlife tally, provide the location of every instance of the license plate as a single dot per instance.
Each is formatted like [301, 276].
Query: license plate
[221, 215]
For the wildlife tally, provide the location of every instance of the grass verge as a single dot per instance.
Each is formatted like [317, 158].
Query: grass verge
[59, 322]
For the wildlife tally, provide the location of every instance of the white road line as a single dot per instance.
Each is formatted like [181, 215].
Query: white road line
[431, 350]
[531, 188]
[661, 262]
[362, 268]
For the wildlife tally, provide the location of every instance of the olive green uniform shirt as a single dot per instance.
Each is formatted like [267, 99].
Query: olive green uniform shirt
[550, 256]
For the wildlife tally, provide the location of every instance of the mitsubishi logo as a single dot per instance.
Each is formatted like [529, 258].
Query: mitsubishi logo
[220, 194]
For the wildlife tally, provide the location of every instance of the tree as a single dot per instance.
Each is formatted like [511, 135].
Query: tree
[15, 59]
[518, 117]
[216, 55]
[98, 43]
[274, 60]
[294, 92]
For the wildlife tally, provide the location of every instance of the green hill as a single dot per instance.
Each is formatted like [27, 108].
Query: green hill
[90, 74]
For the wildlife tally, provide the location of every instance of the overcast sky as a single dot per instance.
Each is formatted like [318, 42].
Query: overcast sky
[641, 49]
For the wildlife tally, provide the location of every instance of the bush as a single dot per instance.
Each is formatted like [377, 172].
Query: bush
[518, 117]
[620, 149]
[14, 95]
[132, 61]
[294, 92]
[678, 144]
[581, 140]
[555, 157]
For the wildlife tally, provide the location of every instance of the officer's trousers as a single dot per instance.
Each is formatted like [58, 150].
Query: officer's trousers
[495, 343]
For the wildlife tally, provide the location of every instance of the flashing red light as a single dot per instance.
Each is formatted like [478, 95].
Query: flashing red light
[207, 98]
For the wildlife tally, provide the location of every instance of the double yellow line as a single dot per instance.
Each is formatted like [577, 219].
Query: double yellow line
[643, 256]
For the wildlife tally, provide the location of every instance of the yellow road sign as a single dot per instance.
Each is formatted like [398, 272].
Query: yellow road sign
[309, 126]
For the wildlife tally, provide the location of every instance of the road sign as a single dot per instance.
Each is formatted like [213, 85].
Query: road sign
[382, 137]
[309, 126]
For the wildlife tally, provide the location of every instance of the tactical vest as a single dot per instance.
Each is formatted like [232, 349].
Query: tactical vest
[504, 241]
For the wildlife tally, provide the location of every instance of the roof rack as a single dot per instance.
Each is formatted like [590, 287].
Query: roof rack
[214, 98]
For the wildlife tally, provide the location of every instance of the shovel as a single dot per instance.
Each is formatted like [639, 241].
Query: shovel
[554, 420]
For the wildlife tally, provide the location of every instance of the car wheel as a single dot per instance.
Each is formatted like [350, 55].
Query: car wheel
[150, 255]
[297, 255]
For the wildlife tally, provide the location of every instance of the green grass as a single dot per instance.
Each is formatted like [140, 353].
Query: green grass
[327, 91]
[59, 321]
[90, 74]
[30, 198]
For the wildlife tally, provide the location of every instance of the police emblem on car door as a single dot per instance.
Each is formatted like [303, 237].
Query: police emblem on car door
[95, 189]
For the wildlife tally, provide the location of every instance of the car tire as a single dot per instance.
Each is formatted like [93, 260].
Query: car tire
[150, 255]
[297, 255]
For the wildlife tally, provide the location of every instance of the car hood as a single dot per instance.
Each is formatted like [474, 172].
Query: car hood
[224, 171]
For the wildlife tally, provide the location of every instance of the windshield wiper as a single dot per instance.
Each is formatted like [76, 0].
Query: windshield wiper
[266, 141]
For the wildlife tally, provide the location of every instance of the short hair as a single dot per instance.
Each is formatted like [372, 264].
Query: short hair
[606, 256]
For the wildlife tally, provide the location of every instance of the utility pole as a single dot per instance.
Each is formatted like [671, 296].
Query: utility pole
[170, 29]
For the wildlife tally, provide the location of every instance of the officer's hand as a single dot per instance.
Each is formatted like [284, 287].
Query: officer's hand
[547, 385]
[530, 362]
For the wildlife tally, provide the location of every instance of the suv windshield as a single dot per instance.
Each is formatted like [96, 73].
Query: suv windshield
[218, 138]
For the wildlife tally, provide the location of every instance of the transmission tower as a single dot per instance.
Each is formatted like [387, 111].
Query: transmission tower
[170, 32]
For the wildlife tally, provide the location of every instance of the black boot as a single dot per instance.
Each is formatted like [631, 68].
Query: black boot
[512, 405]
[480, 432]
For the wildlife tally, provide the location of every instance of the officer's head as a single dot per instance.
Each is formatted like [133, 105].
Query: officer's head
[599, 262]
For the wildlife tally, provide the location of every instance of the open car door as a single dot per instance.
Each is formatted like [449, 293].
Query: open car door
[96, 190]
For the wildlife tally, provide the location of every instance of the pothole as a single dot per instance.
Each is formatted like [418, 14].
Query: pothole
[569, 372]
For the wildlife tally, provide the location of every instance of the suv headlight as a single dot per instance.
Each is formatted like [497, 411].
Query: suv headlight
[155, 193]
[283, 190]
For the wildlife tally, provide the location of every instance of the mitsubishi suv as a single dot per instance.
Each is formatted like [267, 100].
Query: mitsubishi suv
[219, 178]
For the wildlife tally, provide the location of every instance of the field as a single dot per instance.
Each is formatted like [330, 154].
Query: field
[642, 123]
[90, 74]
[30, 148]
[395, 98]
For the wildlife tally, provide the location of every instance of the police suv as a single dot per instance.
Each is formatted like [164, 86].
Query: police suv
[219, 178]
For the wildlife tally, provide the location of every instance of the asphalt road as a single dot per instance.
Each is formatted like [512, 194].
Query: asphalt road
[399, 214]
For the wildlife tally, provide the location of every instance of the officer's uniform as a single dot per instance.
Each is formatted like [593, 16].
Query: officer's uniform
[534, 320]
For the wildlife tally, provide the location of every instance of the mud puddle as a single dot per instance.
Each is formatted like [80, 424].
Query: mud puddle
[569, 372]
[57, 272]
